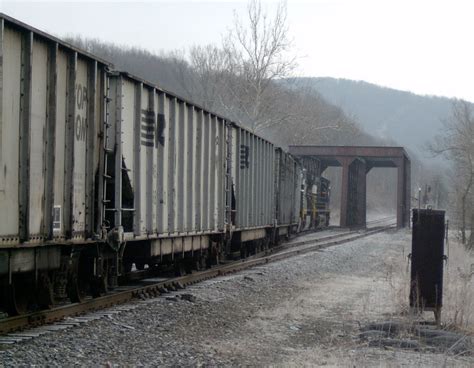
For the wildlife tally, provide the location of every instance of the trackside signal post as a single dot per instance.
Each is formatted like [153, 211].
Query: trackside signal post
[427, 256]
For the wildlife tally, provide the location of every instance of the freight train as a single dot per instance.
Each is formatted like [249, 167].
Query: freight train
[101, 170]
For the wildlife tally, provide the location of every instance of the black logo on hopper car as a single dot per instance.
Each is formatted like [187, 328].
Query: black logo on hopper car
[160, 138]
[80, 128]
[244, 156]
[81, 106]
[152, 129]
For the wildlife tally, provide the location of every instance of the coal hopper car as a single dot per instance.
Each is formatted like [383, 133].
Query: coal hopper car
[101, 170]
[51, 115]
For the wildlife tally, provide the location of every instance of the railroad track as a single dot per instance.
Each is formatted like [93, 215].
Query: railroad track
[9, 327]
[382, 219]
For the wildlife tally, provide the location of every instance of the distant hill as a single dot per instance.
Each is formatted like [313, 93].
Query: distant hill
[408, 119]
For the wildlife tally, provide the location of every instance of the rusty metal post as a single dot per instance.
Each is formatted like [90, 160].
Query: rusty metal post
[356, 215]
[353, 191]
[400, 192]
[403, 192]
[345, 163]
[362, 193]
[407, 192]
[352, 194]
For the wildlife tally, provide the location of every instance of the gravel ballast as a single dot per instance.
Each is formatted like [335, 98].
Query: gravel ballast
[306, 310]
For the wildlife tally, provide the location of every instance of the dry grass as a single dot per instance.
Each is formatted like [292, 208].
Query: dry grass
[458, 308]
[458, 288]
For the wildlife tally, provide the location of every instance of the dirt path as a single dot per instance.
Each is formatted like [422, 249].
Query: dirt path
[317, 321]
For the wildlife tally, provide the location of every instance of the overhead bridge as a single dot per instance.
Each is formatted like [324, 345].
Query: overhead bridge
[356, 162]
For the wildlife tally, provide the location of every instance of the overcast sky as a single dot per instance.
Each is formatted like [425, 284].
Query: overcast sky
[422, 46]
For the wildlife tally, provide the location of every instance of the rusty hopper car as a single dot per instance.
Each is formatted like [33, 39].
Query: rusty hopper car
[51, 112]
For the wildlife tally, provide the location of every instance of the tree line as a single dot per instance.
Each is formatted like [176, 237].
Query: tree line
[456, 143]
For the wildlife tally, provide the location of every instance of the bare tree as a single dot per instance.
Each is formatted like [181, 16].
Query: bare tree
[456, 143]
[238, 78]
[204, 75]
[246, 78]
[259, 53]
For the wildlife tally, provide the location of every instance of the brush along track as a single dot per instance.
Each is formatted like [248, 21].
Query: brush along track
[126, 293]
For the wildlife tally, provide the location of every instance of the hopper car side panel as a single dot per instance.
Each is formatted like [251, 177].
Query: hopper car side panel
[288, 178]
[176, 173]
[253, 185]
[49, 139]
[11, 75]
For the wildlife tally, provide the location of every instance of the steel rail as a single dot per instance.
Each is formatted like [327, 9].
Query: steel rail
[37, 318]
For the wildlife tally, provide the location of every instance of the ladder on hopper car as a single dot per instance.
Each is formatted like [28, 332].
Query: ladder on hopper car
[108, 202]
[113, 167]
[228, 179]
[229, 197]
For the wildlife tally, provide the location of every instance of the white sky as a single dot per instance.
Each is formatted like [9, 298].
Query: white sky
[422, 46]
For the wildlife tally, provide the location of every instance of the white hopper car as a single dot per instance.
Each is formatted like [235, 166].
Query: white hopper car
[100, 169]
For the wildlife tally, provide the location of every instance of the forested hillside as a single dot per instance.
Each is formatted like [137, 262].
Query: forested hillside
[408, 119]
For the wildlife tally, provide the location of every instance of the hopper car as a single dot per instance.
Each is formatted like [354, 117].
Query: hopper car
[101, 170]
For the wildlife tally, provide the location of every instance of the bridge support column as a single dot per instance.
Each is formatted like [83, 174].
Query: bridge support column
[345, 162]
[353, 195]
[403, 192]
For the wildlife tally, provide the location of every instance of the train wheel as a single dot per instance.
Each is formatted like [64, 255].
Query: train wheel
[77, 286]
[99, 286]
[16, 298]
[45, 291]
[200, 263]
[99, 283]
[267, 243]
[179, 269]
[76, 290]
[259, 246]
[189, 265]
[197, 265]
[244, 251]
[213, 258]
